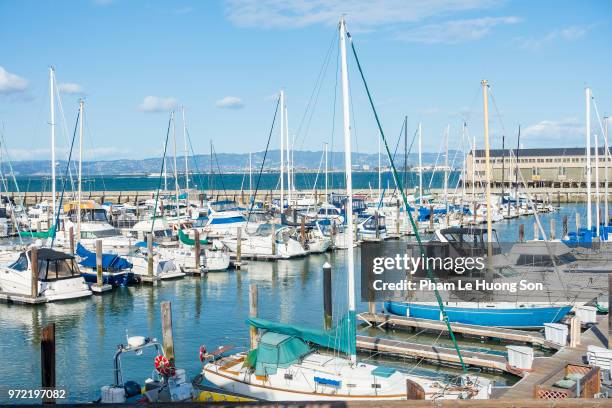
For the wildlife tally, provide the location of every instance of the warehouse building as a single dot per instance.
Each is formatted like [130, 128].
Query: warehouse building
[541, 167]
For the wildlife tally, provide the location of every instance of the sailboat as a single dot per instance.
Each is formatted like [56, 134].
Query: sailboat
[286, 366]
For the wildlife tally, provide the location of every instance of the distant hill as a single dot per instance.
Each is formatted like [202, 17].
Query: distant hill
[227, 162]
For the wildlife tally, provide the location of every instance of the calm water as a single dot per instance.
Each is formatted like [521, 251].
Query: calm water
[210, 310]
[234, 181]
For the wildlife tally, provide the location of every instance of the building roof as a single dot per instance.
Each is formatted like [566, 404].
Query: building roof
[541, 152]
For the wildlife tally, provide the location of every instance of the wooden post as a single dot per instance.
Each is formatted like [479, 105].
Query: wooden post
[238, 247]
[99, 278]
[71, 235]
[414, 391]
[34, 262]
[431, 218]
[377, 232]
[167, 338]
[273, 239]
[253, 313]
[574, 331]
[327, 296]
[536, 233]
[552, 228]
[521, 233]
[303, 231]
[577, 221]
[565, 229]
[47, 360]
[150, 254]
[197, 249]
[333, 233]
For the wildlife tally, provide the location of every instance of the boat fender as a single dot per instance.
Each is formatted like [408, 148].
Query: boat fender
[163, 366]
[132, 388]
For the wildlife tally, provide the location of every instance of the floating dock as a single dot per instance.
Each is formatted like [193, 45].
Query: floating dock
[530, 337]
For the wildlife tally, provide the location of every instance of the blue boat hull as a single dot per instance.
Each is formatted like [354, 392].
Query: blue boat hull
[123, 278]
[526, 317]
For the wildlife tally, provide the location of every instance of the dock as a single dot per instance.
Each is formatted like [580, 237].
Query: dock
[7, 297]
[432, 353]
[530, 337]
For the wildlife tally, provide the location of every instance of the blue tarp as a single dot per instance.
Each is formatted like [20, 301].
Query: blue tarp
[110, 262]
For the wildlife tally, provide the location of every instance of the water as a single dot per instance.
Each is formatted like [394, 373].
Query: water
[209, 310]
[233, 181]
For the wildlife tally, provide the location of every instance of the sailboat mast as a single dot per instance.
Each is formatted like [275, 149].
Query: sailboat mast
[282, 151]
[250, 176]
[485, 96]
[52, 106]
[606, 158]
[326, 170]
[517, 170]
[176, 186]
[405, 151]
[288, 145]
[420, 165]
[597, 201]
[349, 178]
[588, 157]
[446, 168]
[379, 168]
[80, 193]
[186, 151]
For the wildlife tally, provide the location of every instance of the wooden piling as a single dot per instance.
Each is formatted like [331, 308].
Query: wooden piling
[303, 231]
[47, 361]
[34, 276]
[238, 247]
[552, 228]
[99, 278]
[197, 249]
[167, 337]
[536, 232]
[577, 221]
[431, 218]
[327, 296]
[521, 233]
[253, 313]
[150, 254]
[71, 237]
[376, 220]
[565, 229]
[273, 236]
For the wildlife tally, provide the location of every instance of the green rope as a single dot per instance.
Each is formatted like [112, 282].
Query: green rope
[405, 199]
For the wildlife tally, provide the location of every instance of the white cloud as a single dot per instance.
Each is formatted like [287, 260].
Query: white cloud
[11, 83]
[70, 88]
[361, 13]
[230, 102]
[572, 33]
[568, 131]
[454, 31]
[158, 104]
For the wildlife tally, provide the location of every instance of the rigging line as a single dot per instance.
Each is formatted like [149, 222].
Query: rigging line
[416, 131]
[12, 173]
[64, 125]
[403, 193]
[501, 121]
[161, 176]
[57, 216]
[195, 162]
[263, 162]
[333, 129]
[214, 152]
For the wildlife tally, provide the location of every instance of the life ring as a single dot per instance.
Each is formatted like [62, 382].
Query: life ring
[202, 353]
[164, 367]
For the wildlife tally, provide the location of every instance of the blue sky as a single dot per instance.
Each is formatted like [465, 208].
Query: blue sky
[225, 61]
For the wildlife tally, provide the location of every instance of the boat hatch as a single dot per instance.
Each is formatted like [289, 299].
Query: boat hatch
[382, 371]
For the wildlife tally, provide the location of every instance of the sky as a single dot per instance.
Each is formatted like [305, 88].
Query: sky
[225, 62]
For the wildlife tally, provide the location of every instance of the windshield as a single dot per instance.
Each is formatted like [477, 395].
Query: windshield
[106, 233]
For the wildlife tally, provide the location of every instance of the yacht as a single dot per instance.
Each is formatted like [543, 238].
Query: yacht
[260, 243]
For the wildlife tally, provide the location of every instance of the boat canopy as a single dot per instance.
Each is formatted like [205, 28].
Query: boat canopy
[188, 241]
[341, 338]
[276, 350]
[110, 262]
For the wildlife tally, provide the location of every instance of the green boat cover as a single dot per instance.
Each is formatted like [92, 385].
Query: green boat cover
[188, 241]
[276, 350]
[341, 338]
[38, 234]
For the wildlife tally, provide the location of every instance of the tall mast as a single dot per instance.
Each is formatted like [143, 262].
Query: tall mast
[186, 151]
[474, 176]
[326, 170]
[176, 185]
[82, 119]
[420, 201]
[349, 178]
[504, 170]
[516, 174]
[446, 169]
[250, 177]
[282, 151]
[52, 105]
[597, 220]
[606, 158]
[288, 145]
[379, 168]
[485, 97]
[588, 156]
[464, 168]
[405, 152]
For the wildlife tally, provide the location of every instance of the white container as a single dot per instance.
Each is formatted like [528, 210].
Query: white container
[587, 314]
[180, 376]
[520, 357]
[112, 395]
[556, 333]
[600, 357]
[136, 341]
[181, 392]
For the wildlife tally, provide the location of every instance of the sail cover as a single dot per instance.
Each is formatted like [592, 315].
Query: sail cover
[340, 338]
[110, 262]
[188, 241]
[38, 234]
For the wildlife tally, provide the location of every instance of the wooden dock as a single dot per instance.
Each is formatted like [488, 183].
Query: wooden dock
[431, 353]
[529, 337]
[544, 367]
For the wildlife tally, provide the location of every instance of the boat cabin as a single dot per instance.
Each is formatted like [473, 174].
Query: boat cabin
[52, 265]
